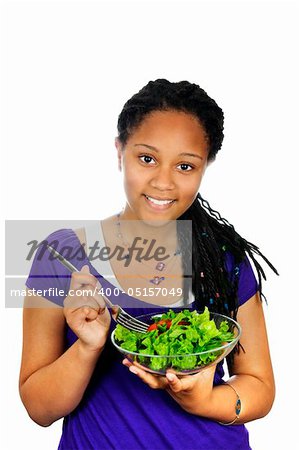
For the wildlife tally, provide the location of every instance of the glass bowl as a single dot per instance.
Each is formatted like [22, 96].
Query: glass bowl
[167, 363]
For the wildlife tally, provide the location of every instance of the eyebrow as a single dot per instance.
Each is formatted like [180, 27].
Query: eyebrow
[181, 154]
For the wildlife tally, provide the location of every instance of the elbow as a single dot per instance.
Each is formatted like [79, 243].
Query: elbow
[269, 399]
[37, 417]
[41, 418]
[42, 423]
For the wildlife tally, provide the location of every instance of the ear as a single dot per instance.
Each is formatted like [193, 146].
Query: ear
[119, 153]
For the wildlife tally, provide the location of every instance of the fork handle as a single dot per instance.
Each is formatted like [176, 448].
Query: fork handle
[62, 259]
[72, 269]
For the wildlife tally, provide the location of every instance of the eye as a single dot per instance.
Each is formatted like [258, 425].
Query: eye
[147, 159]
[185, 167]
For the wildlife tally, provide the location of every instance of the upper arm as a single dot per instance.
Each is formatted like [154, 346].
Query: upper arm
[81, 235]
[43, 335]
[256, 360]
[43, 318]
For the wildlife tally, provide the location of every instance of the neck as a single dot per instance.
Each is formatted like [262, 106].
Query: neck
[163, 232]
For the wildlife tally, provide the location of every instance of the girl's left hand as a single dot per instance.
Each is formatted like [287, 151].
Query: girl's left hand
[192, 392]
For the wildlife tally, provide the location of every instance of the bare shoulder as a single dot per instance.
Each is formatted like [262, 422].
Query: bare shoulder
[80, 232]
[108, 221]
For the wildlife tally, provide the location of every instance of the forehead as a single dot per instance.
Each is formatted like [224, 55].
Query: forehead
[175, 126]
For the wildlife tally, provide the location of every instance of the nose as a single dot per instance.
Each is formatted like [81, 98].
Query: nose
[162, 179]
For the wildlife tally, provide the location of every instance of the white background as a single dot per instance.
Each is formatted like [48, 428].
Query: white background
[68, 68]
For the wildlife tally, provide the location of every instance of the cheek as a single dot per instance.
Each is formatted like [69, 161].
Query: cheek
[190, 189]
[132, 181]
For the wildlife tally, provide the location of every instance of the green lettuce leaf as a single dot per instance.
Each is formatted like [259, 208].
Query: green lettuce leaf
[190, 332]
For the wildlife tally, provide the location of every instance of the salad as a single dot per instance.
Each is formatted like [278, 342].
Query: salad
[183, 334]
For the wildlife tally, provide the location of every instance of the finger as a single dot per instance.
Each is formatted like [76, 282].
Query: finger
[85, 295]
[93, 291]
[126, 362]
[88, 305]
[175, 383]
[136, 364]
[83, 277]
[205, 377]
[85, 269]
[78, 317]
[153, 381]
[80, 297]
[98, 297]
[91, 314]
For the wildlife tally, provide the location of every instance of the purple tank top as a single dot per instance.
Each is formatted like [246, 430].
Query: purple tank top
[119, 411]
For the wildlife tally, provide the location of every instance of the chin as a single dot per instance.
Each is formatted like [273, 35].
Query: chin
[157, 219]
[157, 222]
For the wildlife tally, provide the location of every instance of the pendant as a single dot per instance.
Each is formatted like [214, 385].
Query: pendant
[157, 280]
[160, 266]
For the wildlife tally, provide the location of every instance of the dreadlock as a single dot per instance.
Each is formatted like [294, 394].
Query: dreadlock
[213, 237]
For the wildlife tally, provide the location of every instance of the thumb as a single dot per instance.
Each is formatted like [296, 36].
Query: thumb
[174, 382]
[85, 269]
[91, 313]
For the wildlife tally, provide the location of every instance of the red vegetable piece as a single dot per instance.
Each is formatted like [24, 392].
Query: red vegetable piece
[162, 322]
[152, 327]
[166, 322]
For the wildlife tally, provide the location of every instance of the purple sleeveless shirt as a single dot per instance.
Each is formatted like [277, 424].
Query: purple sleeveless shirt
[119, 411]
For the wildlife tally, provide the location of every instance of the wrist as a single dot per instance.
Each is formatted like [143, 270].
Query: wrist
[89, 351]
[223, 405]
[200, 404]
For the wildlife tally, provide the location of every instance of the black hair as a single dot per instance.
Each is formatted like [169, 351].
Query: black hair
[213, 237]
[162, 95]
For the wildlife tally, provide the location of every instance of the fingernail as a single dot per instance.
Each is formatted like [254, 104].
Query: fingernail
[170, 376]
[133, 370]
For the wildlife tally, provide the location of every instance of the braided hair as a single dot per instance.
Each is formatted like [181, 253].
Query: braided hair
[213, 237]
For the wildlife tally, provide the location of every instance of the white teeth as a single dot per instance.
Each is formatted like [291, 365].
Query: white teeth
[159, 202]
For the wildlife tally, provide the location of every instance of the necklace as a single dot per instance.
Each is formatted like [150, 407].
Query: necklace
[160, 266]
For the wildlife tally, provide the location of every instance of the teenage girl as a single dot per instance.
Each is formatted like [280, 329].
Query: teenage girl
[168, 135]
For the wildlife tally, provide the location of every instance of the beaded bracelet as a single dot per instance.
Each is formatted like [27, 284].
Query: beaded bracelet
[237, 407]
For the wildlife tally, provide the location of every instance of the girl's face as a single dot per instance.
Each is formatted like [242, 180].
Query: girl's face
[163, 163]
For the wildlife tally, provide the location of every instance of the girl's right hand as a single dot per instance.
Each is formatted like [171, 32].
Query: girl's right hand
[87, 315]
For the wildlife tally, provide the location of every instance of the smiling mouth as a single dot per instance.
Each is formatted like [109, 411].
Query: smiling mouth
[159, 202]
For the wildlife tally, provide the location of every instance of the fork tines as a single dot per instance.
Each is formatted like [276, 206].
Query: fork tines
[130, 322]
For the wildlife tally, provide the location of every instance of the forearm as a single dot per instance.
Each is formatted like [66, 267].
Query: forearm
[256, 400]
[55, 390]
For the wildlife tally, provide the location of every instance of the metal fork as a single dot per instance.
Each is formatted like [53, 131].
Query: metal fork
[119, 315]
